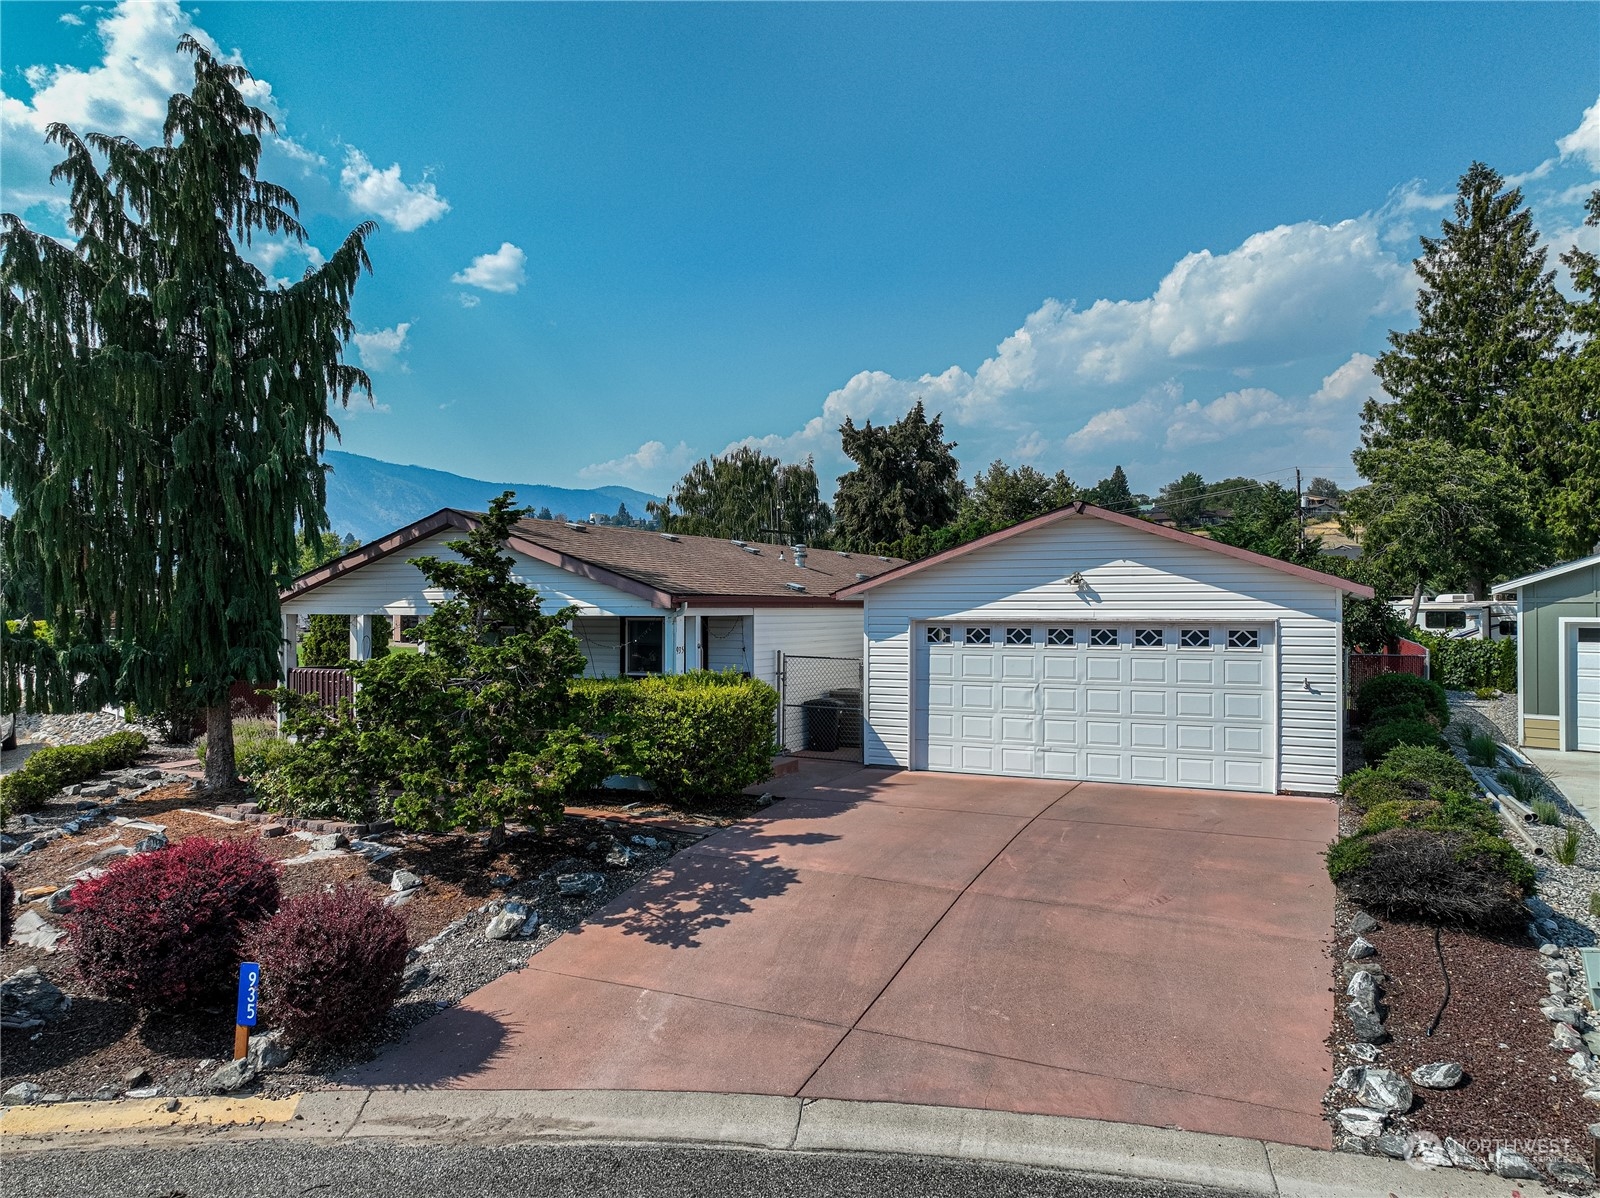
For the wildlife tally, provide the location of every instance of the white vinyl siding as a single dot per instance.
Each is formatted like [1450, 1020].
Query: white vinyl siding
[601, 640]
[833, 631]
[1133, 580]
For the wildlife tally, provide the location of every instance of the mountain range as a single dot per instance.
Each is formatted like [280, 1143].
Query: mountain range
[368, 497]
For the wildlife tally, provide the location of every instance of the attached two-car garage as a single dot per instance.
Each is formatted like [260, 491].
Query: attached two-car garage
[1094, 646]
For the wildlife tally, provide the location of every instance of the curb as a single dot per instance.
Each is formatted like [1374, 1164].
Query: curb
[752, 1121]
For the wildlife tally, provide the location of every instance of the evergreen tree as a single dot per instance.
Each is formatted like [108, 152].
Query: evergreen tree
[1113, 494]
[1267, 520]
[545, 514]
[906, 480]
[1184, 498]
[165, 408]
[749, 495]
[1488, 313]
[622, 519]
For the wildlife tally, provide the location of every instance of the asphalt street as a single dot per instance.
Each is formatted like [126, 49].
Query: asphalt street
[382, 1170]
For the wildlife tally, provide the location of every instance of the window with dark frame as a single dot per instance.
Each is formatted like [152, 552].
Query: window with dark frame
[1103, 638]
[1019, 636]
[1195, 638]
[1244, 638]
[643, 642]
[938, 634]
[1148, 638]
[1061, 636]
[978, 636]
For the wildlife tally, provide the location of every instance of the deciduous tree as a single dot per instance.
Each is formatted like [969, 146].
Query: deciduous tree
[1001, 496]
[749, 495]
[1185, 498]
[165, 407]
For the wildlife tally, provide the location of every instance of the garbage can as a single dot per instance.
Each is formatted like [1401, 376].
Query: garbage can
[849, 717]
[820, 717]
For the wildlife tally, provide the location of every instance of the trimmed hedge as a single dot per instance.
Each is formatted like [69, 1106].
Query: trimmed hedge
[692, 736]
[1454, 811]
[1379, 740]
[1428, 765]
[1464, 665]
[1401, 690]
[46, 771]
[1454, 877]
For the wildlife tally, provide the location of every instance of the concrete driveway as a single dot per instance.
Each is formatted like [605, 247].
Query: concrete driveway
[1113, 952]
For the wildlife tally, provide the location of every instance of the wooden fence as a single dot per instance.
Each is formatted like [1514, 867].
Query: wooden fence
[332, 686]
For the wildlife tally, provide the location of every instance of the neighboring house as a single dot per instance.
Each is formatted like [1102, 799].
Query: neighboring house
[1462, 617]
[645, 602]
[1558, 655]
[1090, 645]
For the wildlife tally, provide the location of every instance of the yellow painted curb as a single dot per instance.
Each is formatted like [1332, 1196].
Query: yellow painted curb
[145, 1114]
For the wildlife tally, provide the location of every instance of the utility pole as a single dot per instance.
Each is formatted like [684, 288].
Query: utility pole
[1300, 509]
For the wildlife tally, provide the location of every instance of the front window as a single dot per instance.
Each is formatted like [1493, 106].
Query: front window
[642, 647]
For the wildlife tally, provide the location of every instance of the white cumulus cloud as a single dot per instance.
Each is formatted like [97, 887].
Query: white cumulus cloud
[652, 460]
[384, 194]
[502, 271]
[1584, 142]
[380, 349]
[1115, 426]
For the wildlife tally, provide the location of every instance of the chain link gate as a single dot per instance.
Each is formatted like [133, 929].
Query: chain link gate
[819, 707]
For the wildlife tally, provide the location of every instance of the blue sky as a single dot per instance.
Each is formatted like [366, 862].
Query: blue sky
[616, 238]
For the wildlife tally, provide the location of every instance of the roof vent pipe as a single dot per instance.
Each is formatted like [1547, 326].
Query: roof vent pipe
[800, 556]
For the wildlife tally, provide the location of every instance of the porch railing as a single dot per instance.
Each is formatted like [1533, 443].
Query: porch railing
[330, 685]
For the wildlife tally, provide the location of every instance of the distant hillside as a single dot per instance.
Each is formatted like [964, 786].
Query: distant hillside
[368, 498]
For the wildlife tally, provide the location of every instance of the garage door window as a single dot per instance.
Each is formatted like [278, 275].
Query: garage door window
[1196, 638]
[1061, 637]
[1148, 638]
[939, 634]
[977, 636]
[1103, 638]
[1244, 638]
[1019, 636]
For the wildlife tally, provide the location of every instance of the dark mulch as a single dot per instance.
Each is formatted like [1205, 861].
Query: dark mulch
[705, 813]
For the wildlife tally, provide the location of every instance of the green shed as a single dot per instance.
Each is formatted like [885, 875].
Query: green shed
[1558, 655]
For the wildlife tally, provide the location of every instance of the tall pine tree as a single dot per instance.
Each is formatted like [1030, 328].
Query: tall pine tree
[165, 408]
[906, 480]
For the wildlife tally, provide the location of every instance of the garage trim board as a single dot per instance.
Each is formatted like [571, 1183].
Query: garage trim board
[1143, 700]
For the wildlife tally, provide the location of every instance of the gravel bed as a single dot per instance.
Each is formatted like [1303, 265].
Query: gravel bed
[1497, 716]
[78, 728]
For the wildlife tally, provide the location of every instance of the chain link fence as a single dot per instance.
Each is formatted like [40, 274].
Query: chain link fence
[820, 712]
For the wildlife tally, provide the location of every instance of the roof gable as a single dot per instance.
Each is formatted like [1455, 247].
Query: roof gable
[1090, 511]
[1553, 572]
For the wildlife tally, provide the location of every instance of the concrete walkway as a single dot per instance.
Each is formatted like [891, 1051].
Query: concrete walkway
[1110, 952]
[1575, 775]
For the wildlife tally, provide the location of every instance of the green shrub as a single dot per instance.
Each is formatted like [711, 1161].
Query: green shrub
[1406, 709]
[1482, 749]
[1486, 692]
[1384, 816]
[47, 770]
[257, 747]
[1379, 741]
[1594, 903]
[1434, 767]
[1452, 811]
[1567, 846]
[324, 774]
[1455, 877]
[1461, 665]
[692, 736]
[1366, 789]
[1393, 690]
[1546, 812]
[1519, 786]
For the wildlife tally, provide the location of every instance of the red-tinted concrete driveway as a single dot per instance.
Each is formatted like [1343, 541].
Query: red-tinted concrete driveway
[1113, 952]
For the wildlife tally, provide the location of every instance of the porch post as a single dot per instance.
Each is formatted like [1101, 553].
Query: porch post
[360, 637]
[288, 645]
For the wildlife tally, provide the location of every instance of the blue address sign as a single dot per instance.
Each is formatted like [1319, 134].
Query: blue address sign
[249, 993]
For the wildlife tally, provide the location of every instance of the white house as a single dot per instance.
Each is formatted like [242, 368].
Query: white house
[1090, 645]
[644, 602]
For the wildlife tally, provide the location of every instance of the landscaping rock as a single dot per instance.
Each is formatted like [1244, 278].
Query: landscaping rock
[1361, 923]
[1384, 1090]
[28, 999]
[401, 897]
[1350, 1078]
[1363, 1052]
[105, 1093]
[269, 831]
[1363, 989]
[171, 1105]
[31, 931]
[584, 883]
[1570, 1172]
[1580, 1061]
[514, 920]
[1547, 950]
[136, 1077]
[1510, 1164]
[415, 976]
[1564, 1038]
[234, 1075]
[372, 850]
[1564, 1015]
[23, 1094]
[404, 879]
[142, 1092]
[1360, 949]
[1365, 1025]
[269, 1050]
[1393, 1146]
[151, 843]
[111, 854]
[60, 901]
[621, 856]
[1461, 1156]
[1427, 1150]
[1440, 1075]
[333, 840]
[1359, 1121]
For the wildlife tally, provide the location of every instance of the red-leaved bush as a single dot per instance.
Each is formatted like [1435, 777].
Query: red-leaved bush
[164, 929]
[331, 964]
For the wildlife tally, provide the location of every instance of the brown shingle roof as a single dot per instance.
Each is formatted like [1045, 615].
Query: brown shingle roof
[666, 569]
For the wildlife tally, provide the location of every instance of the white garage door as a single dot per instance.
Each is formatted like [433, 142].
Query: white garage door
[1586, 690]
[1175, 705]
